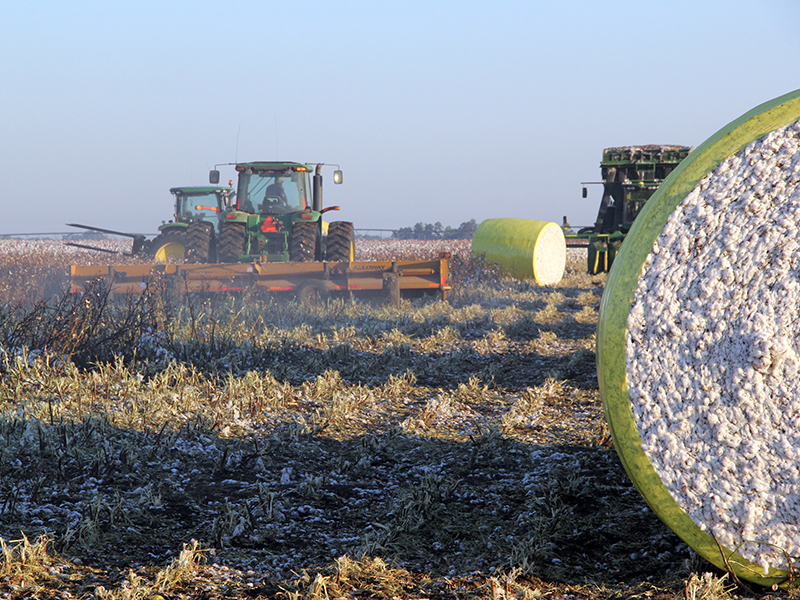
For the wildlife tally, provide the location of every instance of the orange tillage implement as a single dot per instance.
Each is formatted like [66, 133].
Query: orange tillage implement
[391, 278]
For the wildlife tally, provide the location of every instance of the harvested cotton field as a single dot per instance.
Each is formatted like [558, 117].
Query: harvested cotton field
[38, 269]
[248, 448]
[721, 285]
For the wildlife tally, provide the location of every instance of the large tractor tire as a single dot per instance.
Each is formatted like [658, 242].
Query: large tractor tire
[232, 237]
[303, 242]
[200, 246]
[341, 245]
[168, 247]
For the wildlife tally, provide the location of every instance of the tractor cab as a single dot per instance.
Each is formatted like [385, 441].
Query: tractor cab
[273, 188]
[202, 204]
[277, 216]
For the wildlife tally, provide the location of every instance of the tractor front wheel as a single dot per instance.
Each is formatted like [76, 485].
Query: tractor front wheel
[200, 242]
[232, 237]
[169, 247]
[341, 244]
[303, 242]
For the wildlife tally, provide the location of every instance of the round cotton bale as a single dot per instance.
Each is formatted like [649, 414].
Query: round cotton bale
[523, 248]
[698, 346]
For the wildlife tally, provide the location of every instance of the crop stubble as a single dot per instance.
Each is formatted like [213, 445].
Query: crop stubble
[447, 449]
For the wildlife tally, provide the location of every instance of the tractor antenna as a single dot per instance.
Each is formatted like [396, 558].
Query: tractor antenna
[276, 138]
[238, 131]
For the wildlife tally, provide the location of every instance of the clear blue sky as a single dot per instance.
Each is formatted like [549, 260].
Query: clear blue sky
[436, 111]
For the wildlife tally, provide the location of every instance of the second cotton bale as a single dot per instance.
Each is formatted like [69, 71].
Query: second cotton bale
[523, 248]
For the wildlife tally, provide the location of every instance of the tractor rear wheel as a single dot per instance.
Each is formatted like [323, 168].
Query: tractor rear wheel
[200, 242]
[232, 237]
[168, 247]
[341, 242]
[303, 242]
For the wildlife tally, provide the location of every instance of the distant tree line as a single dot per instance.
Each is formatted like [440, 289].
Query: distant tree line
[435, 231]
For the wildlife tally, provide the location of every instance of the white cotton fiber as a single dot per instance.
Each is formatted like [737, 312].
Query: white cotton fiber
[713, 353]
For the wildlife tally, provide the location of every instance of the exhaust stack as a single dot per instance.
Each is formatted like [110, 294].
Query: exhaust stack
[316, 189]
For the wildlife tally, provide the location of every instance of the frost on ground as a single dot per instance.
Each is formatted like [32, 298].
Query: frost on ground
[462, 443]
[713, 354]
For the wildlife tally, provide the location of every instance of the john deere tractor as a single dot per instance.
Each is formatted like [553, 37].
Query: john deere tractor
[193, 235]
[277, 217]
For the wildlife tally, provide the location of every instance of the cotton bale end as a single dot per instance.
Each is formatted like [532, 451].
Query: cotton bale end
[523, 248]
[697, 346]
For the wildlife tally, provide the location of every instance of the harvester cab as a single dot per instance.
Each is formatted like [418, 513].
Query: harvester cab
[631, 174]
[192, 235]
[277, 217]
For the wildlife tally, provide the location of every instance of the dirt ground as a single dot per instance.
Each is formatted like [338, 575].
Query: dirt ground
[432, 451]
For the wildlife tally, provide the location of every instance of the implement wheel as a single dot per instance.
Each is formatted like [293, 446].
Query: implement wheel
[303, 242]
[313, 293]
[200, 242]
[341, 242]
[232, 237]
[169, 247]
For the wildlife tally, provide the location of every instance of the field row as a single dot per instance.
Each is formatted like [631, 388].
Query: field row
[454, 441]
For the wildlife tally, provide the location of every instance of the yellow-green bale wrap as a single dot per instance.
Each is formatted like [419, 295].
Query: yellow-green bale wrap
[616, 306]
[523, 248]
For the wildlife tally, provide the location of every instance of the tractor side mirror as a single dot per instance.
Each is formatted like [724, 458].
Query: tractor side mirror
[585, 192]
[213, 176]
[337, 176]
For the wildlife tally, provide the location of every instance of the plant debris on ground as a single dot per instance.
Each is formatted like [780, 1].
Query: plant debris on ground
[251, 447]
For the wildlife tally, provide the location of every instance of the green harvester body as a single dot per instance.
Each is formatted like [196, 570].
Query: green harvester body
[631, 175]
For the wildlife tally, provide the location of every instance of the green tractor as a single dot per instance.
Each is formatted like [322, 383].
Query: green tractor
[277, 217]
[631, 174]
[193, 235]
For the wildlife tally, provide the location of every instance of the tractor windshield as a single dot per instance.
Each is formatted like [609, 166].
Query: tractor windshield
[200, 206]
[272, 192]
